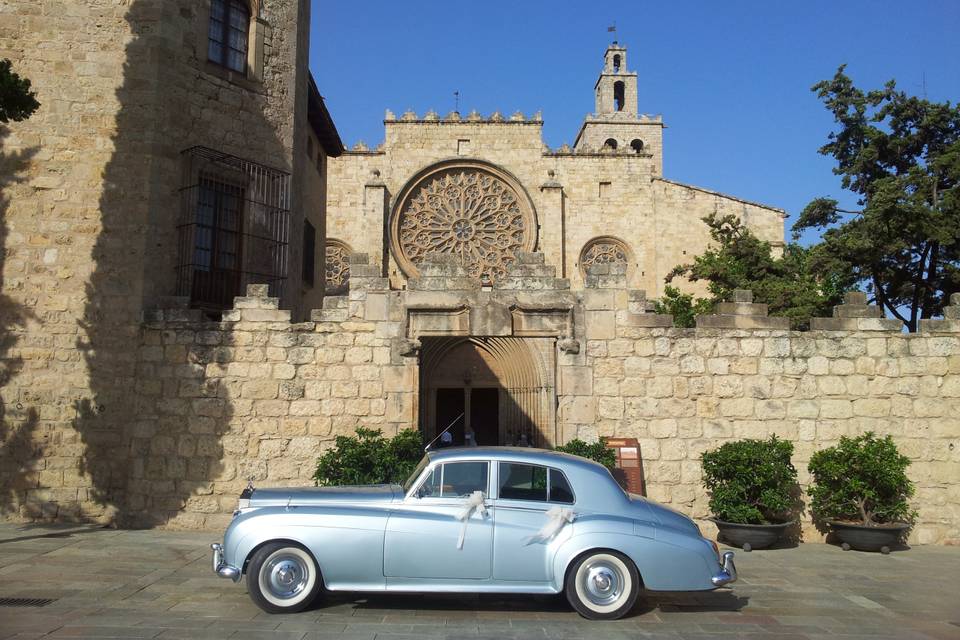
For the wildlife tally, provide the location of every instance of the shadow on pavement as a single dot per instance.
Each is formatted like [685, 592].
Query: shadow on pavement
[648, 602]
[65, 533]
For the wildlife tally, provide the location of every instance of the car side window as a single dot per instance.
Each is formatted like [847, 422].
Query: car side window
[523, 482]
[454, 480]
[463, 478]
[431, 484]
[560, 490]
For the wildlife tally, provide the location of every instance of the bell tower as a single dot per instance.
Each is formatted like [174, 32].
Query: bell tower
[616, 88]
[616, 126]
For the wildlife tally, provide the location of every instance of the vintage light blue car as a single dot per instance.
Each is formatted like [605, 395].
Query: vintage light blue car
[477, 519]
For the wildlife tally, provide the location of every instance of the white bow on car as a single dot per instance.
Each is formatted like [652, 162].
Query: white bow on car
[557, 518]
[474, 503]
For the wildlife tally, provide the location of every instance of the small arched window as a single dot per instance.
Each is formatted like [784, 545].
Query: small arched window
[618, 95]
[227, 33]
[616, 63]
[636, 145]
[610, 144]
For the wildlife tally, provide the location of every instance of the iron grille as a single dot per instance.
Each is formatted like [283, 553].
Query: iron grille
[26, 602]
[234, 228]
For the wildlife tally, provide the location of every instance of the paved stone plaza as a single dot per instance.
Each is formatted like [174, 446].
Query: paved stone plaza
[158, 584]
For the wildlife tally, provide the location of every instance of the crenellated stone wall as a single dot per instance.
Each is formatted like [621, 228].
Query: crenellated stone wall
[258, 396]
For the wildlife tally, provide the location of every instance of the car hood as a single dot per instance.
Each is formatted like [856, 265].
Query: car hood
[305, 496]
[665, 516]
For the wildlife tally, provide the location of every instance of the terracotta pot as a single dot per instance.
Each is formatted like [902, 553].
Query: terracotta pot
[750, 536]
[868, 538]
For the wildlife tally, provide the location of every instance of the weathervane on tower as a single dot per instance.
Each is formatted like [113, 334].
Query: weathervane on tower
[613, 29]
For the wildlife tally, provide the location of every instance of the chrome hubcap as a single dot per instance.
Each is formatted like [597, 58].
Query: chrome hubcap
[603, 583]
[286, 576]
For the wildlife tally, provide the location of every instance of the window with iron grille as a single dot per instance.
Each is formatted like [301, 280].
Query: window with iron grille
[309, 253]
[227, 33]
[233, 229]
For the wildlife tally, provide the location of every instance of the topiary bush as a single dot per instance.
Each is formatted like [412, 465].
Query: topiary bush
[862, 480]
[596, 451]
[369, 458]
[751, 481]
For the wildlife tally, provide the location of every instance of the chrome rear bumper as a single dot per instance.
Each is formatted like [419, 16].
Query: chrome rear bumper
[220, 567]
[728, 571]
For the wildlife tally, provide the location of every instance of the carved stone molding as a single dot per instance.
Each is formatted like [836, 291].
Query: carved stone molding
[438, 322]
[337, 261]
[466, 208]
[606, 250]
[532, 321]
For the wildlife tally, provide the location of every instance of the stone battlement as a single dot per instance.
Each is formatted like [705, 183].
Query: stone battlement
[454, 117]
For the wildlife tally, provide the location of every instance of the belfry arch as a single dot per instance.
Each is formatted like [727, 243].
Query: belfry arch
[504, 386]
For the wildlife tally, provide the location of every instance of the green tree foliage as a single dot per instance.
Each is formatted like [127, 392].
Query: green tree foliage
[682, 306]
[369, 458]
[752, 481]
[863, 480]
[17, 102]
[596, 451]
[740, 260]
[901, 155]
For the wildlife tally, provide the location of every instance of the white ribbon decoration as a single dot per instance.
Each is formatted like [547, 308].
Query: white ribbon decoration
[557, 518]
[474, 503]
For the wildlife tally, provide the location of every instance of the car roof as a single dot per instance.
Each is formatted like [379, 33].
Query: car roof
[512, 454]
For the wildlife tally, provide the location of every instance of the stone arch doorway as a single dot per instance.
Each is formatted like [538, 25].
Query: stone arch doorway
[503, 386]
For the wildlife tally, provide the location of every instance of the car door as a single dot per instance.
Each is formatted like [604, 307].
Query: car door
[422, 533]
[525, 493]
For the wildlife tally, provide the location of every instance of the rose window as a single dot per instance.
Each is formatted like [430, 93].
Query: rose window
[604, 250]
[338, 267]
[470, 211]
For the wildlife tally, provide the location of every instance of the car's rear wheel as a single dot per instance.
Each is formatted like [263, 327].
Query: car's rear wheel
[602, 585]
[283, 578]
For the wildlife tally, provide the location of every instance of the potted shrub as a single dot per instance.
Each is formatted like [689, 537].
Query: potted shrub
[861, 491]
[753, 490]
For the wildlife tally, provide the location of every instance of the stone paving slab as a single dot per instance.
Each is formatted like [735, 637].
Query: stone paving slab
[158, 584]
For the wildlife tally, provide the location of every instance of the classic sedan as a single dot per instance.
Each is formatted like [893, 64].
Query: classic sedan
[472, 520]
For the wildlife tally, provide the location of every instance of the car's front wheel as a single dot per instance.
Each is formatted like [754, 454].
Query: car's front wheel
[602, 585]
[282, 577]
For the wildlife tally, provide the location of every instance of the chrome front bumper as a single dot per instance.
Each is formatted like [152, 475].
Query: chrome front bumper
[220, 567]
[728, 571]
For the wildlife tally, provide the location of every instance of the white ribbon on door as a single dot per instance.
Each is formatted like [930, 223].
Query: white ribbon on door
[557, 518]
[473, 503]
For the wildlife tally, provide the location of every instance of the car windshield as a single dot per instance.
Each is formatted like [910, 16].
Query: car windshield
[408, 483]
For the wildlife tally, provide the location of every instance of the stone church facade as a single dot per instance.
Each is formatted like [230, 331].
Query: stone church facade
[485, 188]
[485, 192]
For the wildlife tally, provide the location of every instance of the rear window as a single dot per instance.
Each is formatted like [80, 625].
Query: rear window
[533, 483]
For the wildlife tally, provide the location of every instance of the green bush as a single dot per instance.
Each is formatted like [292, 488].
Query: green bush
[682, 307]
[369, 458]
[862, 480]
[596, 451]
[751, 481]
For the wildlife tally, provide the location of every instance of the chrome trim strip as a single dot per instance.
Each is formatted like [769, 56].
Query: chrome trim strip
[728, 571]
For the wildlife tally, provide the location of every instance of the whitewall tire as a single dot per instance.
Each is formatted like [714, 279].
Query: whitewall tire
[602, 585]
[283, 578]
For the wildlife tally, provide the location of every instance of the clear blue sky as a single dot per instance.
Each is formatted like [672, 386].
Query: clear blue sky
[732, 79]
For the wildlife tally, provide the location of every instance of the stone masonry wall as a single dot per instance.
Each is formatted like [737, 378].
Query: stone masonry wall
[89, 211]
[256, 396]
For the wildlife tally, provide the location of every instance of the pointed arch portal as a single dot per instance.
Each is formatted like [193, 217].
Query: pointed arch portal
[504, 386]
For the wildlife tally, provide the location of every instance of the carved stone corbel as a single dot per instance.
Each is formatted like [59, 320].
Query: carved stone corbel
[569, 345]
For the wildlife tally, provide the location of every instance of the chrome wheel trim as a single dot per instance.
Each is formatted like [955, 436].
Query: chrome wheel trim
[603, 583]
[287, 577]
